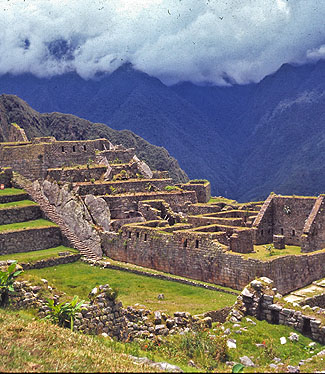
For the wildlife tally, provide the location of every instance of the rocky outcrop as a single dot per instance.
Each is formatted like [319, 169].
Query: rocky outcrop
[84, 220]
[99, 211]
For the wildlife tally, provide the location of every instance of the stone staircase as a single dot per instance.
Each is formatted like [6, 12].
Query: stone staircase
[51, 213]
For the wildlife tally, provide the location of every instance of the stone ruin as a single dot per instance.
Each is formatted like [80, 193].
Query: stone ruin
[140, 216]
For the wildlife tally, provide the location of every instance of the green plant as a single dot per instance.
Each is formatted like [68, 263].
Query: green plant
[269, 249]
[113, 190]
[90, 163]
[92, 180]
[7, 278]
[172, 188]
[64, 314]
[237, 368]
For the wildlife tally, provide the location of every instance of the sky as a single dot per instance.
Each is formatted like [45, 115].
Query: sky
[202, 41]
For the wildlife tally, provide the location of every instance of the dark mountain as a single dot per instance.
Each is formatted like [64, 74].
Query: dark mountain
[247, 140]
[69, 127]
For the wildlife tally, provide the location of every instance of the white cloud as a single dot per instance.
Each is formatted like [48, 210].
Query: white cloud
[196, 40]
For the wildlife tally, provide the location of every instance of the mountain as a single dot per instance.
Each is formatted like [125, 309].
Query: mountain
[69, 127]
[247, 140]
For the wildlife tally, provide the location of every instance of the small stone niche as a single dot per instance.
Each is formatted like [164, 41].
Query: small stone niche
[279, 241]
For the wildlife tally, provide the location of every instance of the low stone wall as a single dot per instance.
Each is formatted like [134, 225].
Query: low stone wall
[136, 185]
[209, 262]
[53, 261]
[258, 300]
[107, 265]
[20, 214]
[77, 175]
[119, 155]
[105, 315]
[10, 198]
[30, 240]
[196, 209]
[318, 300]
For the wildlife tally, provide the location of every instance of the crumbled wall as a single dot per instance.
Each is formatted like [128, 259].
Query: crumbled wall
[258, 300]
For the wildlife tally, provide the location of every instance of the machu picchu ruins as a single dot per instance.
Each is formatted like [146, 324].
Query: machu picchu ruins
[107, 201]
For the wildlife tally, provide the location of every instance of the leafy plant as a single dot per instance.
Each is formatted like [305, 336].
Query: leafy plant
[7, 278]
[172, 188]
[237, 368]
[269, 249]
[92, 180]
[64, 314]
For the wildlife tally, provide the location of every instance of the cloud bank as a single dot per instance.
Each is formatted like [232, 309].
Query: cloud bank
[216, 41]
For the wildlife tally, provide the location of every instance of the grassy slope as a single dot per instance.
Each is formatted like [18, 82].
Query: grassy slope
[132, 288]
[37, 255]
[28, 345]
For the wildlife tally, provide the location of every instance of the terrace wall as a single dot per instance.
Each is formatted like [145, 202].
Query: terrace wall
[167, 252]
[20, 214]
[30, 240]
[77, 175]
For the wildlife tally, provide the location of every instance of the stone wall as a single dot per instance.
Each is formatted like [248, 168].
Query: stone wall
[202, 189]
[313, 237]
[29, 240]
[121, 203]
[123, 186]
[283, 215]
[34, 158]
[119, 155]
[5, 177]
[258, 300]
[11, 198]
[200, 256]
[20, 214]
[81, 174]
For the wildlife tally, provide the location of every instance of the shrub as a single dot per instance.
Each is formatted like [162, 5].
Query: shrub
[172, 188]
[7, 278]
[64, 314]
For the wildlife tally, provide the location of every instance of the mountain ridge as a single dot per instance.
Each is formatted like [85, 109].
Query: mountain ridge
[246, 140]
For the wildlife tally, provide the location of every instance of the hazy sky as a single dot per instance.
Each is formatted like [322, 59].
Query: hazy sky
[196, 40]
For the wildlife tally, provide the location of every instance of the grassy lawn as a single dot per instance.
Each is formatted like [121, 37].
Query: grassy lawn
[152, 271]
[269, 336]
[29, 345]
[221, 199]
[38, 223]
[132, 288]
[15, 204]
[37, 255]
[262, 253]
[11, 191]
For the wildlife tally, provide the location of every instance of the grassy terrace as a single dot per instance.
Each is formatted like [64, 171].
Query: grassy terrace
[11, 191]
[38, 223]
[37, 255]
[17, 204]
[133, 289]
[264, 254]
[151, 271]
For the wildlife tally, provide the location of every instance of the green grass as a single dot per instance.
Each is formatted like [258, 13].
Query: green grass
[290, 353]
[261, 252]
[37, 255]
[11, 191]
[221, 199]
[29, 345]
[152, 271]
[16, 204]
[38, 223]
[132, 288]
